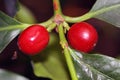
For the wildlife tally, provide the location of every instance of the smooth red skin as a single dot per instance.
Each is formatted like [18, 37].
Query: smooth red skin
[82, 36]
[33, 39]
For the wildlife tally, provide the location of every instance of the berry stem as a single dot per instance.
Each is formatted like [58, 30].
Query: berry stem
[67, 54]
[47, 23]
[66, 25]
[51, 27]
[57, 7]
[59, 20]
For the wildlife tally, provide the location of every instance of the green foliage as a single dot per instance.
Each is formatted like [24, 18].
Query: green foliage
[51, 63]
[106, 10]
[111, 16]
[96, 66]
[7, 36]
[7, 75]
[24, 15]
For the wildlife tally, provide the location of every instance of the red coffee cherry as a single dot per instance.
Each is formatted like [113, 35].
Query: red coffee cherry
[33, 39]
[82, 36]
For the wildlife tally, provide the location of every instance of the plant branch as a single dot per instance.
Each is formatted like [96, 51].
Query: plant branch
[68, 57]
[51, 27]
[59, 20]
[13, 27]
[90, 14]
[23, 26]
[47, 23]
[57, 7]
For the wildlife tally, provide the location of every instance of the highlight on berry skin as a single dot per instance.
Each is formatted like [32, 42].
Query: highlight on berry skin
[33, 40]
[82, 36]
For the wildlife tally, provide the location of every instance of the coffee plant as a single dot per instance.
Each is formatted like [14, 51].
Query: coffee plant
[62, 47]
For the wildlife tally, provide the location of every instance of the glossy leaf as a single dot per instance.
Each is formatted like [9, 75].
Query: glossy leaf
[8, 35]
[50, 63]
[111, 16]
[7, 75]
[96, 66]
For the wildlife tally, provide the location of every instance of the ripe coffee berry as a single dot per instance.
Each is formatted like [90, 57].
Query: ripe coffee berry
[33, 39]
[82, 36]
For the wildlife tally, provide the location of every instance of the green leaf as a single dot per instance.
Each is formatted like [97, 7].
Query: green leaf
[24, 15]
[111, 16]
[9, 29]
[106, 10]
[96, 66]
[51, 63]
[7, 75]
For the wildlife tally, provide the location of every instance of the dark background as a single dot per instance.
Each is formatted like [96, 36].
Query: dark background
[108, 43]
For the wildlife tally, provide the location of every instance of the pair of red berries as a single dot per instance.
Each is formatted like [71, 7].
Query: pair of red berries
[81, 36]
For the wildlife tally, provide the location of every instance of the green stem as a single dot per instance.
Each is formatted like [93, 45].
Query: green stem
[57, 7]
[59, 21]
[47, 23]
[51, 27]
[90, 14]
[23, 26]
[66, 25]
[68, 57]
[13, 27]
